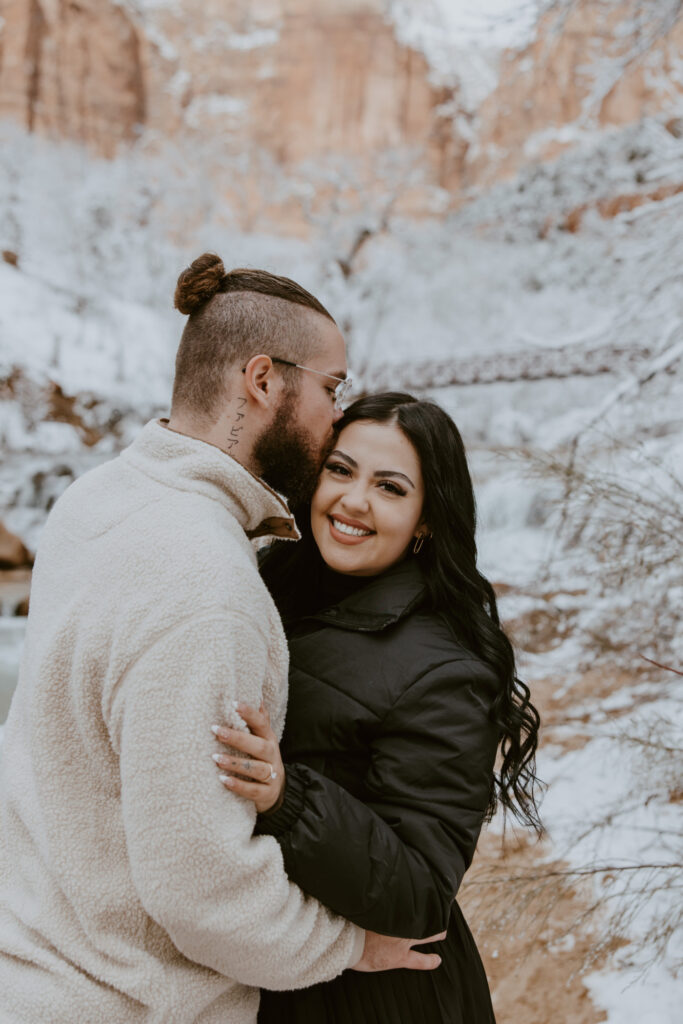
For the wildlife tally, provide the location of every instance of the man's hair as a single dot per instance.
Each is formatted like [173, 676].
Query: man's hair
[233, 317]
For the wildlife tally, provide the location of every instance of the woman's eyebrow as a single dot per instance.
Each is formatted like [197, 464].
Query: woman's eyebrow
[394, 472]
[378, 473]
[343, 455]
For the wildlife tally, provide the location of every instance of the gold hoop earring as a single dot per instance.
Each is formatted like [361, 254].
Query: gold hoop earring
[419, 541]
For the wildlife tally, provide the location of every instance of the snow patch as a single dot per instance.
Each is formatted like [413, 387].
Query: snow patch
[462, 40]
[491, 24]
[215, 105]
[12, 632]
[628, 997]
[163, 44]
[256, 39]
[177, 85]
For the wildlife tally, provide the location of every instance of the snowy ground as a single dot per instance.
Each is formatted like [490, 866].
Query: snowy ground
[89, 307]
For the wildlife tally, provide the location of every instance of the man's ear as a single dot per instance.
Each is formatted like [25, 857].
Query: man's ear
[259, 380]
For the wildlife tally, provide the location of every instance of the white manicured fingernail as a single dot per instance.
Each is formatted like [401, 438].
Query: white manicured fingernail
[217, 757]
[216, 730]
[227, 779]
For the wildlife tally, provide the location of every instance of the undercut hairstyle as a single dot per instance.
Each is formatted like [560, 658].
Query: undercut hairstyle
[232, 317]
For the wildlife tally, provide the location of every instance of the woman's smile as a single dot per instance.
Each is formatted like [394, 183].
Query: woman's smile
[348, 531]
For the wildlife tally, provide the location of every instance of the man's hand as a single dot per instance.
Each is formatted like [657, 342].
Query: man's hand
[385, 953]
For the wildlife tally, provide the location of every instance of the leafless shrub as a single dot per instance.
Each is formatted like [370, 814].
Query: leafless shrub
[619, 523]
[632, 904]
[620, 516]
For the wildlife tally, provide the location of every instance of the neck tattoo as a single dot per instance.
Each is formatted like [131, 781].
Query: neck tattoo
[233, 438]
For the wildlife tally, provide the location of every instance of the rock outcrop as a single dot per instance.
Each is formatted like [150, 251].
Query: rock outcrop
[591, 65]
[285, 103]
[73, 70]
[279, 83]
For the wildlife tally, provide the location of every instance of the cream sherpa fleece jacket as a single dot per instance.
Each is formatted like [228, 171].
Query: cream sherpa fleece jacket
[131, 887]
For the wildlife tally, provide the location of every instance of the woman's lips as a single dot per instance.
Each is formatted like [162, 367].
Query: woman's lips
[348, 538]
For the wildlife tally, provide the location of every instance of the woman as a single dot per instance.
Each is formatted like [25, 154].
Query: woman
[402, 690]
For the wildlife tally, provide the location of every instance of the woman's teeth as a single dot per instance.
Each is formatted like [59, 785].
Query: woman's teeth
[351, 530]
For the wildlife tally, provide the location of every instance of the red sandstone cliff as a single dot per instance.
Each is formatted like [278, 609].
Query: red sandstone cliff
[296, 79]
[249, 86]
[591, 65]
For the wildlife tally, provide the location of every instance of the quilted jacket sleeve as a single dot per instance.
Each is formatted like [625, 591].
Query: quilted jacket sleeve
[393, 862]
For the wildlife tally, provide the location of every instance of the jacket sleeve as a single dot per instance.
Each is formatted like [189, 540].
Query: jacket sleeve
[219, 892]
[392, 860]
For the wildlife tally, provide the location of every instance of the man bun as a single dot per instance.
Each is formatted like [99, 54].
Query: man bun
[198, 283]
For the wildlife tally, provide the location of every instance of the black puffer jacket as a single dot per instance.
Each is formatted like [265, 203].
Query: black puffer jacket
[389, 746]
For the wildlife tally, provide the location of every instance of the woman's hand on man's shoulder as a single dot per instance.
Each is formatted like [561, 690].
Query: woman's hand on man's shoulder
[252, 767]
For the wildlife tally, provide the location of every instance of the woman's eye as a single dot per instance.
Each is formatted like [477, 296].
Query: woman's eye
[391, 488]
[332, 392]
[337, 468]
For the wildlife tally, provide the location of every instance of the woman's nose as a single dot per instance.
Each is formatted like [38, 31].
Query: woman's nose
[356, 498]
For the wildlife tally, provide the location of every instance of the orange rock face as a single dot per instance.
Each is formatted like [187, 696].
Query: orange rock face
[286, 102]
[292, 81]
[72, 70]
[601, 65]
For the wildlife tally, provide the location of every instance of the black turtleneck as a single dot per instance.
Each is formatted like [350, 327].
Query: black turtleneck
[333, 587]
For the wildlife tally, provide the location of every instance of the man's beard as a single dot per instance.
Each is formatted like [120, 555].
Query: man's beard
[287, 456]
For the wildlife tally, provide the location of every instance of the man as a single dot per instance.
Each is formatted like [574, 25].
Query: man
[128, 893]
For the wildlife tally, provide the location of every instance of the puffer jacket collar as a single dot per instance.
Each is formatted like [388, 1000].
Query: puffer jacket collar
[381, 602]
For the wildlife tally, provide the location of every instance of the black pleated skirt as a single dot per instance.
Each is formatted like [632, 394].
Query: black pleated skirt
[457, 992]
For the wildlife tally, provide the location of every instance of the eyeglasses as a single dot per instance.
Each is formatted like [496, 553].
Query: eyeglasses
[344, 384]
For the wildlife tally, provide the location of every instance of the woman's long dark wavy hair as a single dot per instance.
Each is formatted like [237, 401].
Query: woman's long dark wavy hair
[456, 589]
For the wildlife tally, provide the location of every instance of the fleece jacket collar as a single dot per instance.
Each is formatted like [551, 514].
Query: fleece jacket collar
[188, 464]
[381, 602]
